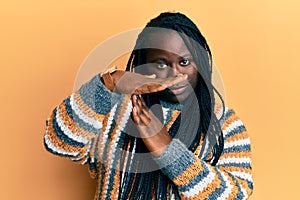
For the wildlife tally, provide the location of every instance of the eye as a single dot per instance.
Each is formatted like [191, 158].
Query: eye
[185, 62]
[161, 65]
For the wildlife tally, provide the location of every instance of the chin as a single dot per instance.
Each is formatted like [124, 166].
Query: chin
[170, 97]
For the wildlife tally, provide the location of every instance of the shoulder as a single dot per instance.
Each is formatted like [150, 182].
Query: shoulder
[225, 114]
[229, 120]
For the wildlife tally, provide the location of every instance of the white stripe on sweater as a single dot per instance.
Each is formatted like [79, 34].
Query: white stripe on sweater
[85, 155]
[68, 132]
[105, 137]
[244, 191]
[232, 126]
[115, 140]
[235, 143]
[51, 146]
[234, 160]
[243, 175]
[228, 188]
[107, 129]
[165, 113]
[199, 187]
[96, 124]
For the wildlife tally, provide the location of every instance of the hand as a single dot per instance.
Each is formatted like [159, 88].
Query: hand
[134, 83]
[152, 131]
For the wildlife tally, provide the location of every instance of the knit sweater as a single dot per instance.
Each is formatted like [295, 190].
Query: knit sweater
[88, 127]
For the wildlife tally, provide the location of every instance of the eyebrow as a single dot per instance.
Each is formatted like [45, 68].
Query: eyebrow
[158, 59]
[187, 55]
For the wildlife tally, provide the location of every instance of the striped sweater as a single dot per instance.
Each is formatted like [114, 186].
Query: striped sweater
[88, 127]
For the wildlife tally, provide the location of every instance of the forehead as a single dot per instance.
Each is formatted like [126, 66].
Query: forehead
[167, 40]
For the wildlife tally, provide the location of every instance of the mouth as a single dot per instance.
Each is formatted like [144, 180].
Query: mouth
[176, 90]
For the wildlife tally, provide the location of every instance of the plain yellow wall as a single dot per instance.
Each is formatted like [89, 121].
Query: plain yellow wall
[43, 43]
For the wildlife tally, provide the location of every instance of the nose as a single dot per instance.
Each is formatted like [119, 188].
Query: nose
[174, 70]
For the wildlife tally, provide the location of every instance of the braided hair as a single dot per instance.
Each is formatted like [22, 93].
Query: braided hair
[203, 125]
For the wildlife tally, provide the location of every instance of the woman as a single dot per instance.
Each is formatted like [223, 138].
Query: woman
[155, 130]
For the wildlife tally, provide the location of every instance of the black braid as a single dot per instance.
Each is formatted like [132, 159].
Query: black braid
[209, 124]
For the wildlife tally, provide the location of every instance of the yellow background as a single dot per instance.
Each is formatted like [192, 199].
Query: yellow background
[43, 43]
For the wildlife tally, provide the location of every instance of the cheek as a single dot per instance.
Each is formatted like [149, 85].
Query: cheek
[193, 76]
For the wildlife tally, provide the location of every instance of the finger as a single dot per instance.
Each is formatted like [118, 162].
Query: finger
[144, 120]
[136, 111]
[143, 108]
[162, 84]
[157, 85]
[142, 101]
[133, 99]
[135, 116]
[150, 88]
[174, 80]
[151, 76]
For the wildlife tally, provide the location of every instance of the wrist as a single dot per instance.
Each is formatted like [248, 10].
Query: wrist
[157, 143]
[107, 78]
[116, 75]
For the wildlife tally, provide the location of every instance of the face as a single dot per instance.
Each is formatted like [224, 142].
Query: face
[169, 58]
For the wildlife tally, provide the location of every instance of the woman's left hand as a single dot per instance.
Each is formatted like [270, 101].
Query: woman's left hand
[154, 134]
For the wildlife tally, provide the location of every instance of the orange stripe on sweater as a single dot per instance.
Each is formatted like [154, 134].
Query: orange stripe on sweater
[238, 136]
[74, 127]
[105, 181]
[117, 179]
[113, 133]
[58, 143]
[174, 116]
[242, 154]
[209, 189]
[233, 117]
[86, 109]
[235, 169]
[100, 138]
[244, 184]
[234, 190]
[193, 170]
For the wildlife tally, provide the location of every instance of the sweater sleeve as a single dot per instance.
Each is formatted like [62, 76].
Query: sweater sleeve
[74, 125]
[231, 178]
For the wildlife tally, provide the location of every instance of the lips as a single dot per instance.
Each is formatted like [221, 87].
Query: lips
[178, 89]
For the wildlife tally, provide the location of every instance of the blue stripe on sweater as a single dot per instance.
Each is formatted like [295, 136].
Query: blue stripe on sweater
[56, 153]
[104, 159]
[97, 97]
[241, 165]
[236, 149]
[62, 136]
[240, 194]
[226, 116]
[236, 130]
[217, 193]
[117, 157]
[177, 166]
[250, 184]
[79, 121]
[195, 180]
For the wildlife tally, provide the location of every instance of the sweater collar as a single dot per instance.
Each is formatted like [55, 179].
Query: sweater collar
[171, 105]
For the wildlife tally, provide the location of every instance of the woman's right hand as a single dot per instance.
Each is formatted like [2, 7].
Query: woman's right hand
[134, 83]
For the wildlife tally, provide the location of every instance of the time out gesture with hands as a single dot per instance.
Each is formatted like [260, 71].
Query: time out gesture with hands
[151, 130]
